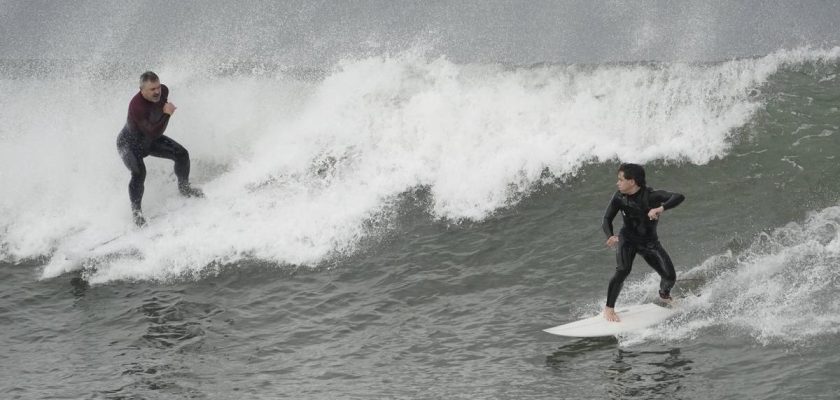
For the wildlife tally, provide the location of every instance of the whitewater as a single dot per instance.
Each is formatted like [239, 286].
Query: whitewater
[301, 171]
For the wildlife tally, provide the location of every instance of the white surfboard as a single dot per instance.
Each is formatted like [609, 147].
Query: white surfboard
[633, 318]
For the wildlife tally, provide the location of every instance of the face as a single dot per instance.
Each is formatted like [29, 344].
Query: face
[150, 91]
[626, 186]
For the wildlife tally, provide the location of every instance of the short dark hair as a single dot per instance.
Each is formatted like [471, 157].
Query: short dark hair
[635, 172]
[148, 76]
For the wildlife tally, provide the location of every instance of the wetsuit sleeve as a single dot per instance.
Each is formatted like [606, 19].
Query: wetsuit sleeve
[609, 215]
[148, 128]
[668, 200]
[140, 114]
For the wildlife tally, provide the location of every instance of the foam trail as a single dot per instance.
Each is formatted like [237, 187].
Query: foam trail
[782, 289]
[297, 171]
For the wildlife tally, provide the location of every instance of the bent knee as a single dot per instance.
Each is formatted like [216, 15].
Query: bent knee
[138, 174]
[621, 273]
[182, 154]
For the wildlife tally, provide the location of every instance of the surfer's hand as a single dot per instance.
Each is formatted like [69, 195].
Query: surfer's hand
[654, 213]
[610, 315]
[169, 108]
[612, 241]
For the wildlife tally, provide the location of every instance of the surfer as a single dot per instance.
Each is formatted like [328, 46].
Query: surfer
[640, 206]
[148, 115]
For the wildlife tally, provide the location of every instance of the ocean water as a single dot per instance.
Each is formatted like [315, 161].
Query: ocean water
[402, 221]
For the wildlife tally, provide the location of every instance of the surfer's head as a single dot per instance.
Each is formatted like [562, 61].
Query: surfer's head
[631, 177]
[150, 86]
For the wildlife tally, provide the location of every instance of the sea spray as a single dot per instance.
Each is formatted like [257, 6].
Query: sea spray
[780, 289]
[297, 171]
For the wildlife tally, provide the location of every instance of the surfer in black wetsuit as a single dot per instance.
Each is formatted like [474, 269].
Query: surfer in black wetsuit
[641, 207]
[148, 115]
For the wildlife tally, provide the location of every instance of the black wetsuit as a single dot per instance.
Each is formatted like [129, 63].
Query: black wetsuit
[143, 136]
[639, 236]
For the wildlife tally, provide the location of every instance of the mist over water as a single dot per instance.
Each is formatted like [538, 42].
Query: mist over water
[405, 194]
[320, 33]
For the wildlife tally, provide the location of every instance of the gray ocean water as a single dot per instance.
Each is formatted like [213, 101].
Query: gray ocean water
[404, 210]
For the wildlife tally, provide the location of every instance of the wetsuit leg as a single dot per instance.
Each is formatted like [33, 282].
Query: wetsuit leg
[624, 263]
[660, 261]
[169, 149]
[131, 152]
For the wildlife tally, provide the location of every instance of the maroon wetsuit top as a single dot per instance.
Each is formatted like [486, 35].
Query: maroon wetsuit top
[146, 117]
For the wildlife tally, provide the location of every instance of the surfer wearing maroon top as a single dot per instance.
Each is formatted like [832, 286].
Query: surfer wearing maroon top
[148, 115]
[640, 207]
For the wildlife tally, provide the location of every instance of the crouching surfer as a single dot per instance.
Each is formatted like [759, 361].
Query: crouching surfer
[149, 112]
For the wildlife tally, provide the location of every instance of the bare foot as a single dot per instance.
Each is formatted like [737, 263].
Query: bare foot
[667, 299]
[610, 315]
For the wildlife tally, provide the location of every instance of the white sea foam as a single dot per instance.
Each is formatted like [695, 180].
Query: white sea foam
[782, 289]
[297, 171]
